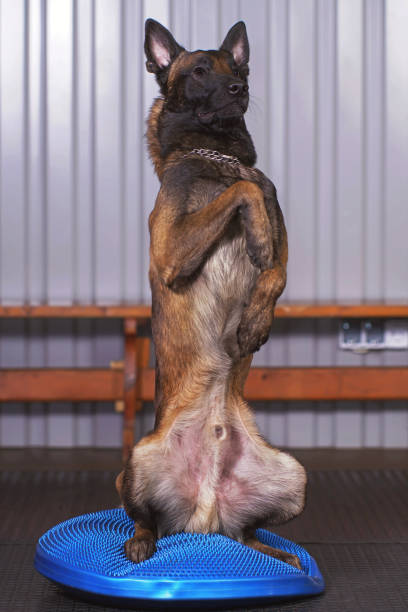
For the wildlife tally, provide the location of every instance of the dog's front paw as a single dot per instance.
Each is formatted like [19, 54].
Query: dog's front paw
[140, 549]
[260, 252]
[258, 231]
[254, 328]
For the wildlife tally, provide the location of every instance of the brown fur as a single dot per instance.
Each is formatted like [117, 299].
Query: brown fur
[218, 259]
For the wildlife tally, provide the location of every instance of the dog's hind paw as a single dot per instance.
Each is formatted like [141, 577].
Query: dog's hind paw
[291, 559]
[277, 553]
[140, 549]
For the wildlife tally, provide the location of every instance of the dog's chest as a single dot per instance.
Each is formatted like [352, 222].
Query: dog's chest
[228, 271]
[219, 294]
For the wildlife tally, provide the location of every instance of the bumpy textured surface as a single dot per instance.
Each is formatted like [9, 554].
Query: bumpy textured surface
[94, 542]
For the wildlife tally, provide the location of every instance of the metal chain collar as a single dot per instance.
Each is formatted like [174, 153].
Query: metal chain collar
[215, 156]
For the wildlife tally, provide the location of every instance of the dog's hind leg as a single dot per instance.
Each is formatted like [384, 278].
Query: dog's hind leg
[249, 539]
[257, 316]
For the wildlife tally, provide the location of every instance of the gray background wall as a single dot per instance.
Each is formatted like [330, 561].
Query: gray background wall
[329, 116]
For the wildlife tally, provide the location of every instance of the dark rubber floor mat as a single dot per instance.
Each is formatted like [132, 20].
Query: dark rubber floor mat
[342, 506]
[355, 526]
[353, 506]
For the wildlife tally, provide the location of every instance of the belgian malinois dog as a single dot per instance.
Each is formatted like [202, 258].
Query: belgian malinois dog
[218, 258]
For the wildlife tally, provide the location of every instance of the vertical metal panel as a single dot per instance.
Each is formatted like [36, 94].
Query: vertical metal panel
[326, 72]
[107, 345]
[13, 150]
[59, 353]
[204, 25]
[84, 150]
[396, 426]
[373, 151]
[395, 416]
[349, 255]
[329, 119]
[228, 11]
[324, 426]
[59, 165]
[326, 332]
[132, 133]
[373, 425]
[180, 21]
[255, 16]
[36, 412]
[35, 151]
[396, 150]
[301, 351]
[84, 432]
[349, 193]
[108, 195]
[13, 348]
[301, 188]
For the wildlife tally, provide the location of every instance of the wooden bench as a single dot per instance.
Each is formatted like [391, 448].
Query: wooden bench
[131, 382]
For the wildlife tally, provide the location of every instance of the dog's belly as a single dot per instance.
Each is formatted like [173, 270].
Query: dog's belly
[217, 476]
[220, 292]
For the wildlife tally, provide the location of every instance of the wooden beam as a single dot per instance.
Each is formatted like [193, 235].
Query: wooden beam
[327, 383]
[91, 311]
[130, 329]
[61, 385]
[264, 384]
[341, 311]
[143, 311]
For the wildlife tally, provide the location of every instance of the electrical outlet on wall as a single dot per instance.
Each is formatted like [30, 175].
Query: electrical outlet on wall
[350, 334]
[396, 334]
[373, 334]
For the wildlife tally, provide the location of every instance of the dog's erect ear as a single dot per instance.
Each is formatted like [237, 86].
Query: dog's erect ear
[236, 42]
[160, 47]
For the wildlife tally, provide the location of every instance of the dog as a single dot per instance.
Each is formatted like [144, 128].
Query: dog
[218, 255]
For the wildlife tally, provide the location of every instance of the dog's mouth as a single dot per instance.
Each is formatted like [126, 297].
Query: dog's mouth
[228, 111]
[206, 116]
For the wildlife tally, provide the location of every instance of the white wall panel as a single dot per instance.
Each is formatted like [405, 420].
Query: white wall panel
[396, 150]
[84, 152]
[59, 158]
[204, 25]
[134, 232]
[329, 118]
[255, 15]
[325, 156]
[36, 216]
[301, 187]
[108, 153]
[13, 161]
[349, 134]
[373, 151]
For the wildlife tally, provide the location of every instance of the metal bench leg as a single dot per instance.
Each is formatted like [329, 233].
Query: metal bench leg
[137, 352]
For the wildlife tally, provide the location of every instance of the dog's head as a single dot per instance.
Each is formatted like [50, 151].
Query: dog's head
[210, 85]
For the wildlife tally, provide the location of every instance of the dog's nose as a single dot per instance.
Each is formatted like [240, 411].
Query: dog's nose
[237, 88]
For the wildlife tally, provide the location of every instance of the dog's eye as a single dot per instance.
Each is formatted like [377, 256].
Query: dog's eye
[235, 72]
[198, 71]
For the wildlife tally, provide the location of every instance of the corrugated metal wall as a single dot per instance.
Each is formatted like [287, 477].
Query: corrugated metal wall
[329, 116]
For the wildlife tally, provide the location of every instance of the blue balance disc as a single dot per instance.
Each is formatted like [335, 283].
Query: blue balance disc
[86, 554]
